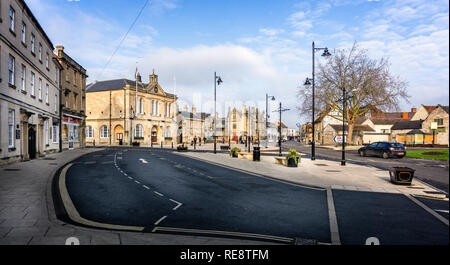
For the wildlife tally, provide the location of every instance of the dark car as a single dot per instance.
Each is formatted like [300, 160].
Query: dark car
[383, 149]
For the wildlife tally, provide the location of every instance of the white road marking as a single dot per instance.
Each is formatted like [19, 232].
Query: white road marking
[90, 162]
[178, 204]
[137, 182]
[145, 187]
[108, 162]
[130, 177]
[158, 193]
[443, 211]
[143, 160]
[159, 221]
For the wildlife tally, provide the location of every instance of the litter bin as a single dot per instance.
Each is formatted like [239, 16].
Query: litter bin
[401, 175]
[256, 153]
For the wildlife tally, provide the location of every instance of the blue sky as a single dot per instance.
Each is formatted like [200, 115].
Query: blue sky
[257, 47]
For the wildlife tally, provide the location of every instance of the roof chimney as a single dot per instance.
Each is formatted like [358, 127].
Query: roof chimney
[60, 49]
[413, 110]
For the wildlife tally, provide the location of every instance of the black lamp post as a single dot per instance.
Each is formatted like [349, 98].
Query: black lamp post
[307, 83]
[131, 125]
[219, 81]
[267, 114]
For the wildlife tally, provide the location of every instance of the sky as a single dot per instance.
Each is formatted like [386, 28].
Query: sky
[255, 46]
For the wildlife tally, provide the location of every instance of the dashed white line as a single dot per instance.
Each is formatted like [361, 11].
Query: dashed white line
[145, 187]
[160, 219]
[130, 177]
[137, 182]
[158, 193]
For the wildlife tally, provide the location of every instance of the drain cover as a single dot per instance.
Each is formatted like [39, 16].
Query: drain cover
[321, 165]
[11, 169]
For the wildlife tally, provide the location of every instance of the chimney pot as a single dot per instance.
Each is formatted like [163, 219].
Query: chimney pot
[414, 110]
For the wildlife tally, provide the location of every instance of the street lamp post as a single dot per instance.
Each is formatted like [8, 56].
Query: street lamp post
[131, 125]
[279, 126]
[343, 127]
[267, 115]
[307, 82]
[218, 80]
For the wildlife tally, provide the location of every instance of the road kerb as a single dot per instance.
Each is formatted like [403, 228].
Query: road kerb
[75, 216]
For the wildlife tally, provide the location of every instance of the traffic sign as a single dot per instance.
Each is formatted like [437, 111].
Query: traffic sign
[338, 139]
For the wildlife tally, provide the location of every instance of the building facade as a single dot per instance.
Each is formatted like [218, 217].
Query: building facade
[117, 115]
[245, 122]
[73, 101]
[29, 86]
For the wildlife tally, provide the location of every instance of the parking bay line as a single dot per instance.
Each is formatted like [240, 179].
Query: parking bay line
[159, 193]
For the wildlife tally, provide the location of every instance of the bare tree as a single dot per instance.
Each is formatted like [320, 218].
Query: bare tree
[368, 82]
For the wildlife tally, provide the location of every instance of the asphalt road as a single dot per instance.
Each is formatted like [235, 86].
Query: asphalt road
[433, 172]
[160, 189]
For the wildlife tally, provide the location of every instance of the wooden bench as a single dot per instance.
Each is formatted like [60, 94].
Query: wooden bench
[245, 155]
[280, 161]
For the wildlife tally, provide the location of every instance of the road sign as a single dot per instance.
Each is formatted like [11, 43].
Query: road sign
[338, 139]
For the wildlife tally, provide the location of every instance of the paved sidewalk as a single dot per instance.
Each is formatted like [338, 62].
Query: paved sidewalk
[27, 215]
[322, 173]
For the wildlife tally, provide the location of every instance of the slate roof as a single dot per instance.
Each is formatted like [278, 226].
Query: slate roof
[445, 108]
[407, 125]
[191, 115]
[384, 121]
[364, 128]
[116, 84]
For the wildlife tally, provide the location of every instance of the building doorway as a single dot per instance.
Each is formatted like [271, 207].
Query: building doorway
[154, 134]
[32, 143]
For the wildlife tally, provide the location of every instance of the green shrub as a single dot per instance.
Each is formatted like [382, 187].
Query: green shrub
[293, 154]
[234, 151]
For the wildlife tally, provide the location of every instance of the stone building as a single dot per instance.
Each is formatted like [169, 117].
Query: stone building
[117, 115]
[29, 86]
[193, 124]
[440, 116]
[73, 101]
[246, 122]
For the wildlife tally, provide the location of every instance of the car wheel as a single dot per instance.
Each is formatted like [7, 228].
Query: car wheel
[400, 157]
[362, 153]
[385, 155]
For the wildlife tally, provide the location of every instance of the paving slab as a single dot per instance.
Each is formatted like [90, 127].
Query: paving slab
[28, 231]
[17, 240]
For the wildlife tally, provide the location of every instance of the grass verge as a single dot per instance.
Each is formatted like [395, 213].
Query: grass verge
[440, 154]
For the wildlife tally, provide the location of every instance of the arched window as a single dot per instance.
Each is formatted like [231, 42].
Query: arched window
[138, 132]
[89, 132]
[141, 106]
[104, 131]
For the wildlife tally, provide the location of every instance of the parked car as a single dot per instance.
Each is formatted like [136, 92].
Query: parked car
[383, 149]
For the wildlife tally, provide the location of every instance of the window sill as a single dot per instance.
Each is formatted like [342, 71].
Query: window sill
[24, 92]
[24, 44]
[12, 32]
[48, 69]
[47, 104]
[11, 149]
[33, 96]
[40, 100]
[32, 53]
[12, 86]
